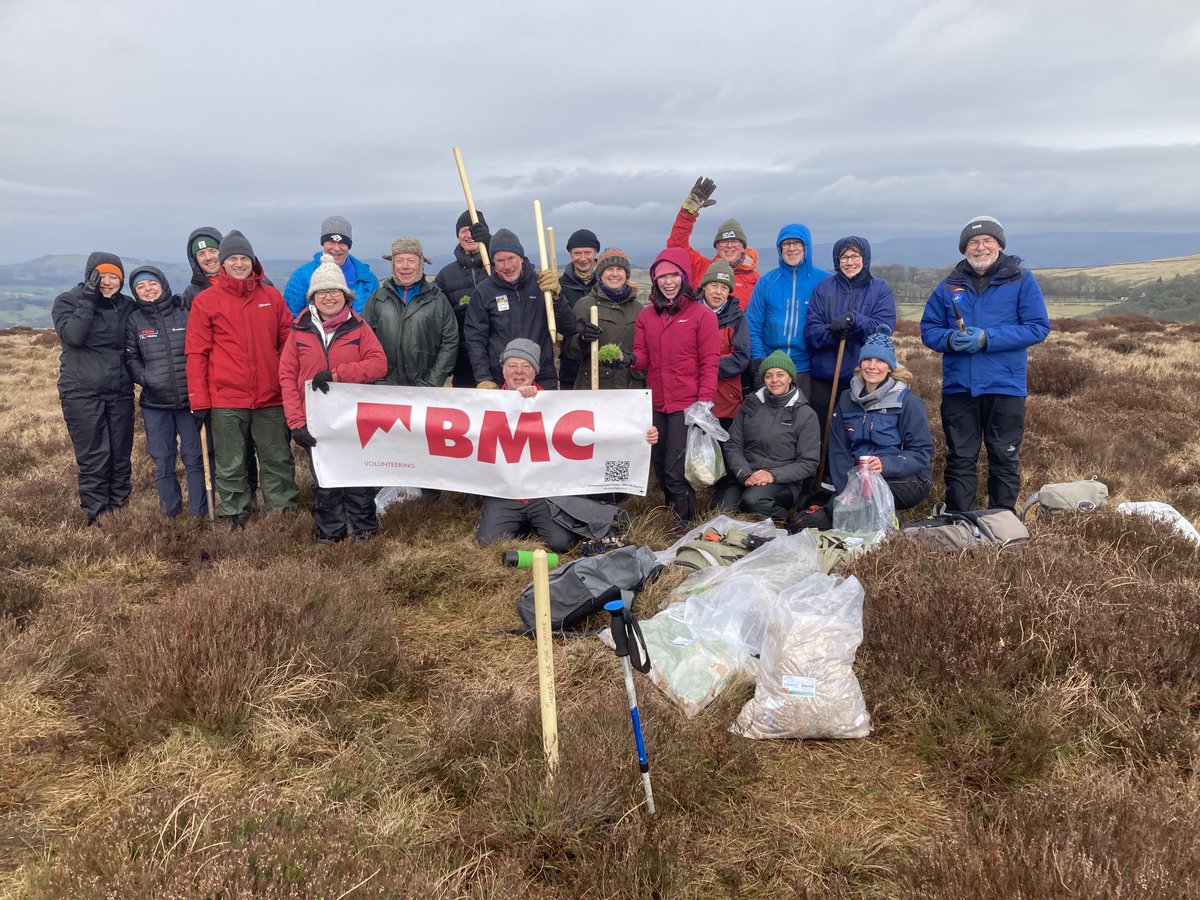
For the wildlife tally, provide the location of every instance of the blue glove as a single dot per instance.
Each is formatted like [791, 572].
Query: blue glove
[970, 341]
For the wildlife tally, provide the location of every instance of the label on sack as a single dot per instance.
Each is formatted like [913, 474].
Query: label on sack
[800, 686]
[681, 641]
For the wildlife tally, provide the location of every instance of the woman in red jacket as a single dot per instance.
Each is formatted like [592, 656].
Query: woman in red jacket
[676, 343]
[328, 342]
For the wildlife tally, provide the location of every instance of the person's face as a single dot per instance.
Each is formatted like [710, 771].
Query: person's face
[207, 258]
[238, 267]
[468, 243]
[731, 250]
[338, 250]
[778, 382]
[148, 290]
[614, 278]
[792, 251]
[670, 284]
[584, 259]
[518, 373]
[329, 302]
[874, 371]
[109, 284]
[507, 265]
[406, 268]
[982, 251]
[850, 262]
[715, 294]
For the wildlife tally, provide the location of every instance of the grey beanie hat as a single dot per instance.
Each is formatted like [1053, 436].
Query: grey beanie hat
[523, 348]
[408, 245]
[234, 244]
[338, 230]
[981, 225]
[504, 241]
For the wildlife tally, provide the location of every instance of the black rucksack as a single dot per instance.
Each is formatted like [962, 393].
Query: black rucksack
[581, 589]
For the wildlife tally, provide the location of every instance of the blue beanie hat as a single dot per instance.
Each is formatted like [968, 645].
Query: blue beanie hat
[880, 346]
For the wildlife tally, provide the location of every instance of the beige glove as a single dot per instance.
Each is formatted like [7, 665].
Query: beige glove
[548, 281]
[698, 197]
[488, 386]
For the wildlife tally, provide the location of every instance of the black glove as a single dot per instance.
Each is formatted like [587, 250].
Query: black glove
[201, 416]
[303, 438]
[321, 381]
[480, 233]
[842, 325]
[590, 333]
[624, 362]
[91, 287]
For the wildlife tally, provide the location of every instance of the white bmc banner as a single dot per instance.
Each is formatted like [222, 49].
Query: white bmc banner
[493, 443]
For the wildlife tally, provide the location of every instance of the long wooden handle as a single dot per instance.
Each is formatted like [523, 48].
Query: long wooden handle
[208, 485]
[462, 176]
[545, 658]
[595, 345]
[837, 374]
[541, 233]
[553, 254]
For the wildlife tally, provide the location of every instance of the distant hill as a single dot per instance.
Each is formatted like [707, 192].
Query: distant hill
[1136, 273]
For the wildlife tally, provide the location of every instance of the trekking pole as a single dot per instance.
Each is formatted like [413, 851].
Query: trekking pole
[208, 486]
[595, 320]
[545, 655]
[541, 233]
[553, 252]
[462, 176]
[837, 373]
[626, 635]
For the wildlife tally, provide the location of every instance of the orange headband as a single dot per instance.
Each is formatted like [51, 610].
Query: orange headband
[110, 269]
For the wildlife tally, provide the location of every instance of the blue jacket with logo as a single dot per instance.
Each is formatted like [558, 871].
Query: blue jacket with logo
[779, 305]
[359, 278]
[1010, 310]
[890, 423]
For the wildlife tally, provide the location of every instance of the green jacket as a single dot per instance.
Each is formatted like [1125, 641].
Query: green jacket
[420, 337]
[617, 322]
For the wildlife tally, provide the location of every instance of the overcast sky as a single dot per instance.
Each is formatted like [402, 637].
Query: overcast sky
[127, 123]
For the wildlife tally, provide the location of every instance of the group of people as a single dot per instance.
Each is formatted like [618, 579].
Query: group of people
[796, 364]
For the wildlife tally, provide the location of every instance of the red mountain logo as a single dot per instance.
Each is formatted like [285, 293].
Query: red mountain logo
[374, 417]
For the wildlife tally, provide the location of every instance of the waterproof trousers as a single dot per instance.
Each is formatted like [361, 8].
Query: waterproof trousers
[774, 501]
[667, 458]
[818, 398]
[996, 420]
[341, 512]
[101, 433]
[170, 432]
[506, 519]
[276, 468]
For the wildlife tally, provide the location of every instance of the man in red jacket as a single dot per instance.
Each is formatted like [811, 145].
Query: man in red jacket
[730, 243]
[235, 333]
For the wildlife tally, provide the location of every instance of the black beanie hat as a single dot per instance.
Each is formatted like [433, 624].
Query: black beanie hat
[583, 238]
[234, 244]
[465, 219]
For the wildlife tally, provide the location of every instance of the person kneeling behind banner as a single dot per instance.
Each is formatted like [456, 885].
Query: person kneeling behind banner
[560, 522]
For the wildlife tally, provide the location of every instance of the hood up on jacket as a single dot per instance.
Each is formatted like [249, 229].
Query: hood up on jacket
[96, 257]
[864, 247]
[157, 273]
[202, 231]
[792, 232]
[678, 257]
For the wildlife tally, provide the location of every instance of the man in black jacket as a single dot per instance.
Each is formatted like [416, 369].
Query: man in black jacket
[459, 279]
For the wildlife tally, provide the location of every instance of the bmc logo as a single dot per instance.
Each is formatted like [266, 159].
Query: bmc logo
[446, 432]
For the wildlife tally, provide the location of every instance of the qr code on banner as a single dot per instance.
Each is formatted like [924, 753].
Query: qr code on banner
[616, 470]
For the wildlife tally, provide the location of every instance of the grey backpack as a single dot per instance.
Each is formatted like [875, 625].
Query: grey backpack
[1068, 496]
[956, 530]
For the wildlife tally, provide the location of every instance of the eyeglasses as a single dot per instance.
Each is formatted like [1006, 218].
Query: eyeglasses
[791, 245]
[851, 257]
[328, 295]
[979, 242]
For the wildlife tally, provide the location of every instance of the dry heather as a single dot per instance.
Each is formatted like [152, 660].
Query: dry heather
[190, 713]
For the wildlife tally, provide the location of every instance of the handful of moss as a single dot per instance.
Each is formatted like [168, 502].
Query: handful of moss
[610, 353]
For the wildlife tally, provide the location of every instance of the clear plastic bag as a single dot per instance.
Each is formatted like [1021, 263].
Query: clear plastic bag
[866, 505]
[389, 495]
[704, 464]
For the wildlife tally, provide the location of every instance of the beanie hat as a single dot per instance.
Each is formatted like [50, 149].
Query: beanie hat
[204, 242]
[981, 225]
[504, 241]
[523, 348]
[107, 268]
[880, 346]
[327, 277]
[408, 245]
[234, 244]
[720, 272]
[140, 276]
[583, 238]
[613, 257]
[336, 229]
[731, 228]
[777, 360]
[464, 220]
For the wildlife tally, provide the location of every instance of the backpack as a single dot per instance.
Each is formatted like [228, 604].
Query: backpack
[1068, 496]
[956, 530]
[716, 549]
[580, 589]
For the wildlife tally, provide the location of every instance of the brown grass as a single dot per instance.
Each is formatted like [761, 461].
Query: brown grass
[186, 712]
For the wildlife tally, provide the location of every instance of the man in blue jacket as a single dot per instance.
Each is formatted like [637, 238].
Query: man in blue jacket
[982, 318]
[336, 240]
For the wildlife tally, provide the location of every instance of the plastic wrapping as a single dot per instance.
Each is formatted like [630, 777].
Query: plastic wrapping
[806, 687]
[866, 505]
[762, 528]
[1164, 512]
[389, 495]
[704, 464]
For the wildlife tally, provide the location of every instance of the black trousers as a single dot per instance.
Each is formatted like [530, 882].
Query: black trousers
[818, 398]
[998, 422]
[504, 519]
[336, 511]
[102, 436]
[772, 500]
[667, 458]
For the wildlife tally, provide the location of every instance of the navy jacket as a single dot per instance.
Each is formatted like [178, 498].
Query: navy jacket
[154, 347]
[890, 423]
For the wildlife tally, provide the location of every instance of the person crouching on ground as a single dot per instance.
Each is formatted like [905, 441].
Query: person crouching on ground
[505, 519]
[330, 342]
[878, 418]
[774, 444]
